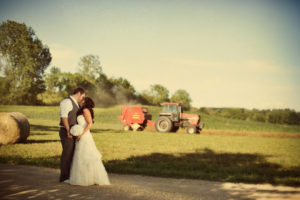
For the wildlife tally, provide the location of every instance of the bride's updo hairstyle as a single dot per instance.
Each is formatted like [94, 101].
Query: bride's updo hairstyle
[88, 104]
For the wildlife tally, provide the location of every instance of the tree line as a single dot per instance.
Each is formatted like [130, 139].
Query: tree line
[275, 116]
[106, 91]
[24, 59]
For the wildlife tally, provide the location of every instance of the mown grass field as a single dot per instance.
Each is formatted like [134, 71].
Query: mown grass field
[226, 150]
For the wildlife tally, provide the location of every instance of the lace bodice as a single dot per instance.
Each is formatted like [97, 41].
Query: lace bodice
[81, 121]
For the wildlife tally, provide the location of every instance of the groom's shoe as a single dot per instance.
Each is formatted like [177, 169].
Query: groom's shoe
[66, 181]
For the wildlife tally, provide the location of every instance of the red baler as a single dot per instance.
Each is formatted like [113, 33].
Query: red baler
[135, 118]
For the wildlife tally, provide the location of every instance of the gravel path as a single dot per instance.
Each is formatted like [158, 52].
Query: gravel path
[28, 182]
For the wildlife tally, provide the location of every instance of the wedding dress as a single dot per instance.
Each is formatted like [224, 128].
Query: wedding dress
[87, 167]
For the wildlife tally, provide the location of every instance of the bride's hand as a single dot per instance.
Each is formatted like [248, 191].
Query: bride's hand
[79, 136]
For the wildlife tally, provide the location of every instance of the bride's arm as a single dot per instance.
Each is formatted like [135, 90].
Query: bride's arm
[88, 118]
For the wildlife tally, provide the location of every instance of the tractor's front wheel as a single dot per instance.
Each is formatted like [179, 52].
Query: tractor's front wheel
[191, 129]
[163, 124]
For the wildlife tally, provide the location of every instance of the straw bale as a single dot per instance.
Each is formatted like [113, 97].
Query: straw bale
[14, 127]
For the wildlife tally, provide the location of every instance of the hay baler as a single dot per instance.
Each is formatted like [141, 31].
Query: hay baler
[135, 118]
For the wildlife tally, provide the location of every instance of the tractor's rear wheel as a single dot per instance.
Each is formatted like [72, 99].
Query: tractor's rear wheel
[163, 124]
[191, 129]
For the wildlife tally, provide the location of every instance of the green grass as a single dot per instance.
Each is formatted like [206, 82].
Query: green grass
[247, 159]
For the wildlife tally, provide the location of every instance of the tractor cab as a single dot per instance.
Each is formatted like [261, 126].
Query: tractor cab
[173, 110]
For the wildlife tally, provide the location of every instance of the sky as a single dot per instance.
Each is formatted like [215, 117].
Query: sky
[223, 53]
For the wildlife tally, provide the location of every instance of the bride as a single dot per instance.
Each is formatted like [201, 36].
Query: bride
[87, 167]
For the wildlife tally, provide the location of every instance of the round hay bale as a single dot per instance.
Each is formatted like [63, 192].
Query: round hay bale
[14, 127]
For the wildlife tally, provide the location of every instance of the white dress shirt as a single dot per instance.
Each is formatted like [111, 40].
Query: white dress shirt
[66, 106]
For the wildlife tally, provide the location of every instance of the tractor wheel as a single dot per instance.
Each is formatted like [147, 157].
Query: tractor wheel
[163, 124]
[191, 129]
[126, 127]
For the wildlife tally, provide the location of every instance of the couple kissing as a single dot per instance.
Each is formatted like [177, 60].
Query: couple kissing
[81, 162]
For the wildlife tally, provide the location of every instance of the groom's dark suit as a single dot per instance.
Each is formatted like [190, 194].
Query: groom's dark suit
[68, 144]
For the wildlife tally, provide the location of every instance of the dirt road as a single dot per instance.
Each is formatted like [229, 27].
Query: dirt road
[28, 182]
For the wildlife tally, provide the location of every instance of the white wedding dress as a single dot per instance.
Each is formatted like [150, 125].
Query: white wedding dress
[87, 167]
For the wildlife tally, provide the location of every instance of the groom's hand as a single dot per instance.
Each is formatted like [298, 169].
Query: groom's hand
[69, 135]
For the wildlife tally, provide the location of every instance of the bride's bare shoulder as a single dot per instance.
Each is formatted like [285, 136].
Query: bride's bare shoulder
[86, 111]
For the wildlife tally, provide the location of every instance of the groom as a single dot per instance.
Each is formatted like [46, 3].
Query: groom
[68, 117]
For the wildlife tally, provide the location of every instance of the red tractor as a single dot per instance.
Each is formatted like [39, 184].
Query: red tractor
[172, 118]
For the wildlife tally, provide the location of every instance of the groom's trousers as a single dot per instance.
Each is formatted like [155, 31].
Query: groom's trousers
[68, 145]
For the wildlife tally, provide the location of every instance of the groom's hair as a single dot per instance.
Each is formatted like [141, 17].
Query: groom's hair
[80, 90]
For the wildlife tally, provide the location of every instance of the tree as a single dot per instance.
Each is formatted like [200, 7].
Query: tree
[54, 80]
[104, 83]
[157, 94]
[123, 91]
[24, 60]
[61, 84]
[123, 84]
[256, 115]
[72, 81]
[2, 88]
[90, 67]
[183, 97]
